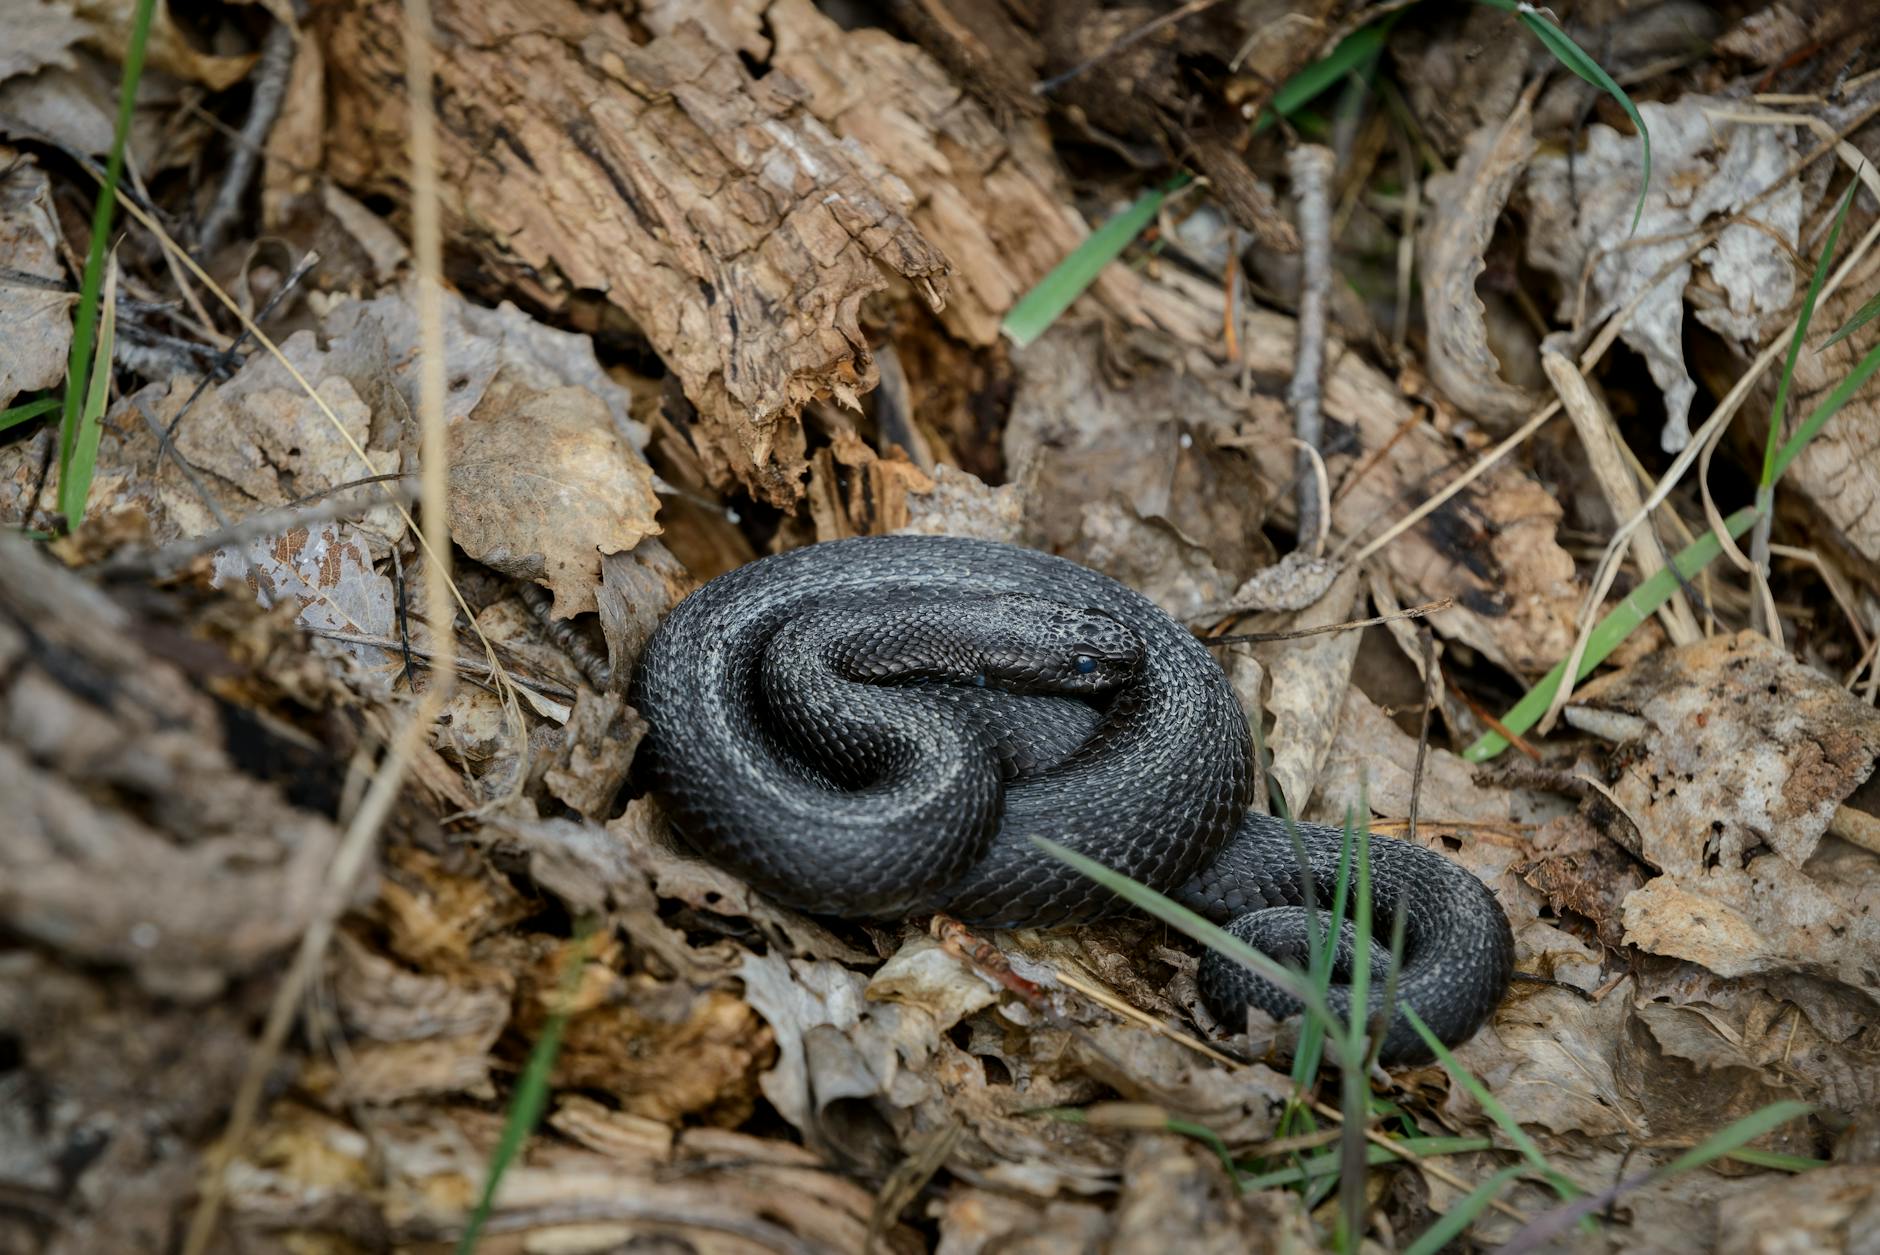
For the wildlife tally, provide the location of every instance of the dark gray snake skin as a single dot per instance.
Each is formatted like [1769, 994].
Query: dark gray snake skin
[877, 727]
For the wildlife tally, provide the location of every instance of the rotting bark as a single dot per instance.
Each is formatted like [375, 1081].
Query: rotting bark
[714, 208]
[129, 836]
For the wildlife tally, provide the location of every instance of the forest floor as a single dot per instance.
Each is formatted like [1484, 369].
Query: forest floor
[327, 902]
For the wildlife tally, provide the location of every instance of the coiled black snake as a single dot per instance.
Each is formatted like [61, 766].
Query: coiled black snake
[876, 727]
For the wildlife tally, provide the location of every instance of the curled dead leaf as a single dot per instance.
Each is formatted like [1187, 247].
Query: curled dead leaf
[541, 487]
[1464, 207]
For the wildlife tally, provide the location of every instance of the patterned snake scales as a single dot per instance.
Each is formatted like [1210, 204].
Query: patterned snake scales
[876, 727]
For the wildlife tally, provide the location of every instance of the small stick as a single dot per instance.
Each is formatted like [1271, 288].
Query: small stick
[1600, 438]
[1254, 638]
[307, 263]
[468, 666]
[266, 523]
[1432, 697]
[270, 88]
[1311, 168]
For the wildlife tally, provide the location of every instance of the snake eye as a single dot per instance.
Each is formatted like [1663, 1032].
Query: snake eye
[1085, 664]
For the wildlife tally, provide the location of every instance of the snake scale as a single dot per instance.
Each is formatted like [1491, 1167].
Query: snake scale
[876, 727]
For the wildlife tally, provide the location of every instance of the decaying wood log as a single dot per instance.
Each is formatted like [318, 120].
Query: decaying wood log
[714, 208]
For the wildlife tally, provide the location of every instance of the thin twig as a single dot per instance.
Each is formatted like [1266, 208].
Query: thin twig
[1601, 440]
[1426, 1162]
[1046, 86]
[307, 263]
[181, 280]
[465, 666]
[1311, 168]
[1315, 484]
[1130, 1011]
[1432, 698]
[165, 446]
[1251, 638]
[1406, 238]
[265, 523]
[269, 88]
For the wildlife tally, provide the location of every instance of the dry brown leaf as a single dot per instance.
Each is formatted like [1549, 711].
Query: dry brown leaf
[1177, 1197]
[541, 487]
[636, 591]
[596, 754]
[1740, 758]
[1116, 477]
[1689, 1077]
[1464, 208]
[292, 153]
[1310, 678]
[40, 33]
[983, 1222]
[961, 504]
[1834, 1210]
[327, 572]
[1702, 167]
[170, 48]
[1075, 434]
[641, 839]
[664, 1051]
[1372, 754]
[846, 1066]
[35, 322]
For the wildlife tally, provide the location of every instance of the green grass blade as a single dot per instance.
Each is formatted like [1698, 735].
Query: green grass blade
[1768, 480]
[1862, 316]
[75, 474]
[1735, 1135]
[1040, 307]
[1777, 1160]
[1212, 1140]
[1181, 918]
[1818, 418]
[531, 1096]
[1353, 53]
[1325, 1164]
[1620, 622]
[1450, 1224]
[26, 411]
[1352, 1089]
[1575, 58]
[78, 370]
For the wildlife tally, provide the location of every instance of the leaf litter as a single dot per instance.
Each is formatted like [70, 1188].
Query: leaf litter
[729, 278]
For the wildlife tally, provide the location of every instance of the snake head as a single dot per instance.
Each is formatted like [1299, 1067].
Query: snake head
[1047, 647]
[1103, 651]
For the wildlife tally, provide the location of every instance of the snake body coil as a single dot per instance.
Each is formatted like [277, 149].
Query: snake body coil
[876, 727]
